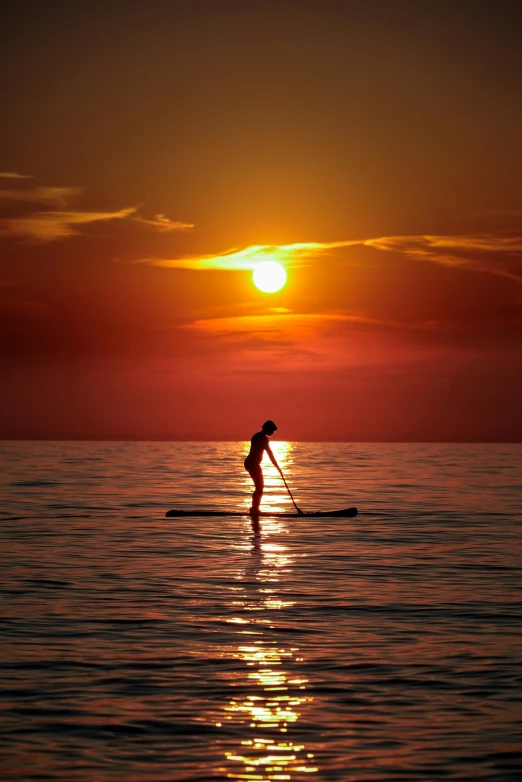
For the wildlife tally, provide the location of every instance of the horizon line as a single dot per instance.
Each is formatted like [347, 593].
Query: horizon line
[247, 439]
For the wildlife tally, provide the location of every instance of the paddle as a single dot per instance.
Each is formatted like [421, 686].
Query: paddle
[299, 511]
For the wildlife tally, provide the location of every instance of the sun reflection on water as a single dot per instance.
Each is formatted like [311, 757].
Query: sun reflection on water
[274, 706]
[266, 717]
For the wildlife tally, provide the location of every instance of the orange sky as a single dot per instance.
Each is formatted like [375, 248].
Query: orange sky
[153, 152]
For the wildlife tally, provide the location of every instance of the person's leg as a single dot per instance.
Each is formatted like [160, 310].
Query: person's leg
[257, 477]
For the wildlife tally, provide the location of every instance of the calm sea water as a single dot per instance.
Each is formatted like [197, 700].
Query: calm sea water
[135, 647]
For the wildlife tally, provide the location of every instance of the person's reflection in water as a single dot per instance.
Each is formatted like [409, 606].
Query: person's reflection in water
[256, 537]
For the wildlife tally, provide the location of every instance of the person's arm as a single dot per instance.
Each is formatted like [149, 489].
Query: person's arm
[272, 457]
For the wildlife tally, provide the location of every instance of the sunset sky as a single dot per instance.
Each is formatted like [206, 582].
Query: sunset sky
[153, 154]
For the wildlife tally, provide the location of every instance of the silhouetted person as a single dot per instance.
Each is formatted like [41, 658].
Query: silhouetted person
[258, 445]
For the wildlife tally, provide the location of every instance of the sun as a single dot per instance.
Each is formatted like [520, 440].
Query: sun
[269, 277]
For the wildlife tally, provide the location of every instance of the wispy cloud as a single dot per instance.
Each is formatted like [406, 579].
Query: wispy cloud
[52, 196]
[47, 226]
[263, 324]
[14, 175]
[266, 326]
[487, 242]
[162, 223]
[296, 341]
[250, 257]
[490, 253]
[60, 219]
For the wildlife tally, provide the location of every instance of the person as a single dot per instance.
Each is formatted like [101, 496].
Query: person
[258, 445]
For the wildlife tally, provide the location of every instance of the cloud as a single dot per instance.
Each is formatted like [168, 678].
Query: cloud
[53, 196]
[263, 324]
[490, 253]
[307, 341]
[47, 195]
[497, 253]
[47, 226]
[266, 326]
[14, 175]
[250, 257]
[162, 223]
[60, 220]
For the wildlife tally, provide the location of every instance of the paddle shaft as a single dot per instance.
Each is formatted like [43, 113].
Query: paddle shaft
[300, 512]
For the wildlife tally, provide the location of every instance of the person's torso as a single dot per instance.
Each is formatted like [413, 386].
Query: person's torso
[258, 445]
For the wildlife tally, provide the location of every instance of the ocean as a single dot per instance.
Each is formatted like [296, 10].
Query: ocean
[136, 648]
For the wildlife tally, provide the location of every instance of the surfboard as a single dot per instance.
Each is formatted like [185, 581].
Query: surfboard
[348, 513]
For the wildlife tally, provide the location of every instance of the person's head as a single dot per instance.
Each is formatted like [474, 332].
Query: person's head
[269, 428]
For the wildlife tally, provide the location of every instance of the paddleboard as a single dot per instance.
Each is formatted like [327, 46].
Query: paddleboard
[345, 513]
